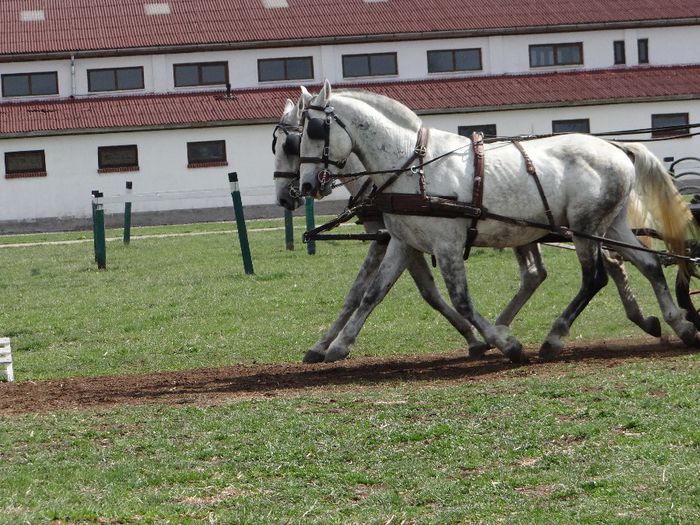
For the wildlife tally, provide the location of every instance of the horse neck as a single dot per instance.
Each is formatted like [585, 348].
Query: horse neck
[353, 184]
[398, 141]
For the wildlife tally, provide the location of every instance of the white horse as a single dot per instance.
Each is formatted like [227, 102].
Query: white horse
[286, 142]
[587, 182]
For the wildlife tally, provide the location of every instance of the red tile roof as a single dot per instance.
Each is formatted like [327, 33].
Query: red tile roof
[90, 25]
[434, 96]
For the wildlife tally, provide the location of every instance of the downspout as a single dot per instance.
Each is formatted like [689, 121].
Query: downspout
[72, 76]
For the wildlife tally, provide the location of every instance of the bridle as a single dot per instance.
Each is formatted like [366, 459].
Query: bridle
[291, 147]
[320, 129]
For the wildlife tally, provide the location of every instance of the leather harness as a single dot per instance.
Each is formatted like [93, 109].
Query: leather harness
[426, 205]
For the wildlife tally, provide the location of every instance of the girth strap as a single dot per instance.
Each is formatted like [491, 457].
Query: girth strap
[477, 189]
[530, 167]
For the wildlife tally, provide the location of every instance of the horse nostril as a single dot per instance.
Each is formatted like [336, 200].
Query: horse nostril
[306, 188]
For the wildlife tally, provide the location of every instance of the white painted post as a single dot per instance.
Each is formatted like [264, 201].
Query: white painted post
[6, 358]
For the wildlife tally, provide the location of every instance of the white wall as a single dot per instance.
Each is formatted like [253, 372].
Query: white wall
[500, 55]
[72, 160]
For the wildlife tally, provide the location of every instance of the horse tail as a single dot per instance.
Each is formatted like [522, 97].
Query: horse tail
[669, 213]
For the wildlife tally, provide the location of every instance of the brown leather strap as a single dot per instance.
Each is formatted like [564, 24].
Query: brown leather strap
[418, 153]
[530, 167]
[477, 188]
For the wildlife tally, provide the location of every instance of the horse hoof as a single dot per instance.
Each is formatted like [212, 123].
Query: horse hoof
[689, 335]
[478, 350]
[513, 350]
[313, 356]
[336, 354]
[653, 326]
[550, 351]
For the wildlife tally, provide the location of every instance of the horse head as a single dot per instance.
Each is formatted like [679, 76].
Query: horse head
[286, 140]
[326, 145]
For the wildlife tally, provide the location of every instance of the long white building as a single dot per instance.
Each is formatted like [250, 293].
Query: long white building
[95, 93]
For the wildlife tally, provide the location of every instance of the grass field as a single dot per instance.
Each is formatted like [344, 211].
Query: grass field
[570, 444]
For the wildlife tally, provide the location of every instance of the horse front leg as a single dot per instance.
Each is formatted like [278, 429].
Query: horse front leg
[532, 275]
[423, 277]
[377, 250]
[593, 279]
[452, 268]
[392, 266]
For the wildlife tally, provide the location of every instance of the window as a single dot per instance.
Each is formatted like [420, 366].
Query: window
[581, 125]
[25, 164]
[204, 74]
[117, 158]
[115, 79]
[556, 55]
[619, 51]
[454, 60]
[677, 122]
[285, 69]
[643, 50]
[369, 65]
[26, 84]
[206, 154]
[489, 130]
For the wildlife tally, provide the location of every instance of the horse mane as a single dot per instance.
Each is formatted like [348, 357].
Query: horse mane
[390, 108]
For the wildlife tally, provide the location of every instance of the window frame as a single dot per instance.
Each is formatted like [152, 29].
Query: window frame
[682, 132]
[642, 50]
[555, 54]
[369, 64]
[29, 82]
[200, 66]
[619, 53]
[113, 168]
[453, 53]
[285, 61]
[20, 174]
[587, 121]
[193, 163]
[114, 70]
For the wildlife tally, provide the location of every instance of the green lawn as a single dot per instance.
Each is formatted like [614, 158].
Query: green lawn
[578, 444]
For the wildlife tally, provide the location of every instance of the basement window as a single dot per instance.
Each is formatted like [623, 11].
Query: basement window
[201, 74]
[489, 130]
[115, 79]
[675, 124]
[206, 154]
[556, 55]
[579, 125]
[25, 164]
[112, 159]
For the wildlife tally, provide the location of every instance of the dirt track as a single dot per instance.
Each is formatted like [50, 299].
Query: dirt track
[217, 385]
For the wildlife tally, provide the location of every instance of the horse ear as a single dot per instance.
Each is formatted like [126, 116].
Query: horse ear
[289, 106]
[304, 99]
[327, 89]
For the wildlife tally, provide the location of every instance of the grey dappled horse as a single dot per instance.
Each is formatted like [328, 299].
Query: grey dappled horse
[587, 180]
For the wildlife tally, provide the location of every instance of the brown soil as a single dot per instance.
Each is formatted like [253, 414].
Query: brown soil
[218, 385]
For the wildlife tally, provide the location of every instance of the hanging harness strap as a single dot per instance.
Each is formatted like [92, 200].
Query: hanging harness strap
[477, 189]
[530, 167]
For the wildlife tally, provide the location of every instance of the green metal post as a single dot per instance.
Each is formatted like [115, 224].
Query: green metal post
[310, 225]
[240, 223]
[127, 212]
[94, 229]
[98, 229]
[289, 229]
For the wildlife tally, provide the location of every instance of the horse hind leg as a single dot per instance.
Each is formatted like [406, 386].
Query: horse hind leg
[615, 267]
[650, 267]
[593, 279]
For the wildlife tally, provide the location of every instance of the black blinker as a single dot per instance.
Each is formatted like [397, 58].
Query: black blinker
[292, 144]
[316, 129]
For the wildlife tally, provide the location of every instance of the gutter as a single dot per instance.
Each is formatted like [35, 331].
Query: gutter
[352, 39]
